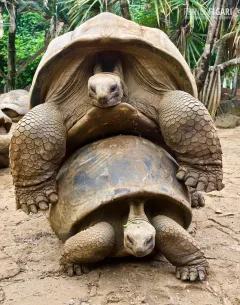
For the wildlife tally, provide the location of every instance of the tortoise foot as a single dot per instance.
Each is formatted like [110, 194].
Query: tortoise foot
[206, 178]
[35, 198]
[72, 269]
[192, 273]
[197, 199]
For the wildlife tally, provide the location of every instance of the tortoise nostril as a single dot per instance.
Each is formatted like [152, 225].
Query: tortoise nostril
[103, 100]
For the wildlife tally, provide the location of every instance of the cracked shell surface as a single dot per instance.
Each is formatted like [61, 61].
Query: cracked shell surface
[111, 169]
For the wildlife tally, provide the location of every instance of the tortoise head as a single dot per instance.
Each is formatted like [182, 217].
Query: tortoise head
[139, 234]
[106, 89]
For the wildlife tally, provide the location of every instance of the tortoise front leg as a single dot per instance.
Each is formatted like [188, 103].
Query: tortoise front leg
[180, 248]
[189, 131]
[87, 247]
[37, 147]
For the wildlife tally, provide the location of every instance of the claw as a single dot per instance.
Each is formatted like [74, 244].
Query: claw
[201, 200]
[193, 275]
[34, 198]
[70, 271]
[184, 274]
[202, 275]
[178, 274]
[25, 208]
[78, 270]
[53, 198]
[203, 177]
[220, 185]
[33, 208]
[85, 269]
[43, 205]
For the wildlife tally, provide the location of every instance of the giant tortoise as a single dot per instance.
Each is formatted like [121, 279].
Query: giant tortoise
[120, 196]
[13, 106]
[111, 76]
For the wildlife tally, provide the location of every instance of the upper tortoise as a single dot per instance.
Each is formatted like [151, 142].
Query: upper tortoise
[111, 76]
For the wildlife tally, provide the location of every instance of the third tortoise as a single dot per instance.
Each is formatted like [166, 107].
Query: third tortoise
[13, 106]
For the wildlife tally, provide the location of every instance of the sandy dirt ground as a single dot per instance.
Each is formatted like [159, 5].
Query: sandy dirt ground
[29, 252]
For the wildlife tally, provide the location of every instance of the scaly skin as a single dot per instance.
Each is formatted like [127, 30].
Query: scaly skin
[37, 148]
[179, 247]
[87, 247]
[94, 244]
[189, 131]
[197, 199]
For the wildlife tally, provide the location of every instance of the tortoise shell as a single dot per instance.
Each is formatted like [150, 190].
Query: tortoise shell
[151, 62]
[112, 170]
[16, 100]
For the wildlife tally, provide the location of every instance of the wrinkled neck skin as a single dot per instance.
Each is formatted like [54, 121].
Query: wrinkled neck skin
[139, 234]
[136, 211]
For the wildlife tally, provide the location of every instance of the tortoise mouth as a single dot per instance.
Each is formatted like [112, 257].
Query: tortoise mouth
[106, 104]
[122, 119]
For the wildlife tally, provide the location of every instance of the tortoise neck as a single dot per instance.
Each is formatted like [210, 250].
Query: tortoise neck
[136, 211]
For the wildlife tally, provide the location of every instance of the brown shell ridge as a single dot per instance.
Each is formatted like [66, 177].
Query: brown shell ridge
[107, 31]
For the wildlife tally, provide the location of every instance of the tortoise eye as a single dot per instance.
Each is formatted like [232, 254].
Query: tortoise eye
[113, 88]
[93, 89]
[129, 239]
[150, 239]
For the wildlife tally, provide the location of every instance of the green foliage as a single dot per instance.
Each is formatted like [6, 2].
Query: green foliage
[30, 34]
[144, 12]
[186, 22]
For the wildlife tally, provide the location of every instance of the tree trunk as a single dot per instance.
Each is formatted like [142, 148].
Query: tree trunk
[220, 53]
[204, 61]
[235, 82]
[11, 82]
[229, 63]
[1, 23]
[125, 9]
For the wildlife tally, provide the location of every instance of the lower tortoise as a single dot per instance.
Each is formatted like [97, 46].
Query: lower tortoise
[118, 197]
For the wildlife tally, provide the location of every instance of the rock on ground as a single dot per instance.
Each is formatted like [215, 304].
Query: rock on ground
[29, 252]
[227, 121]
